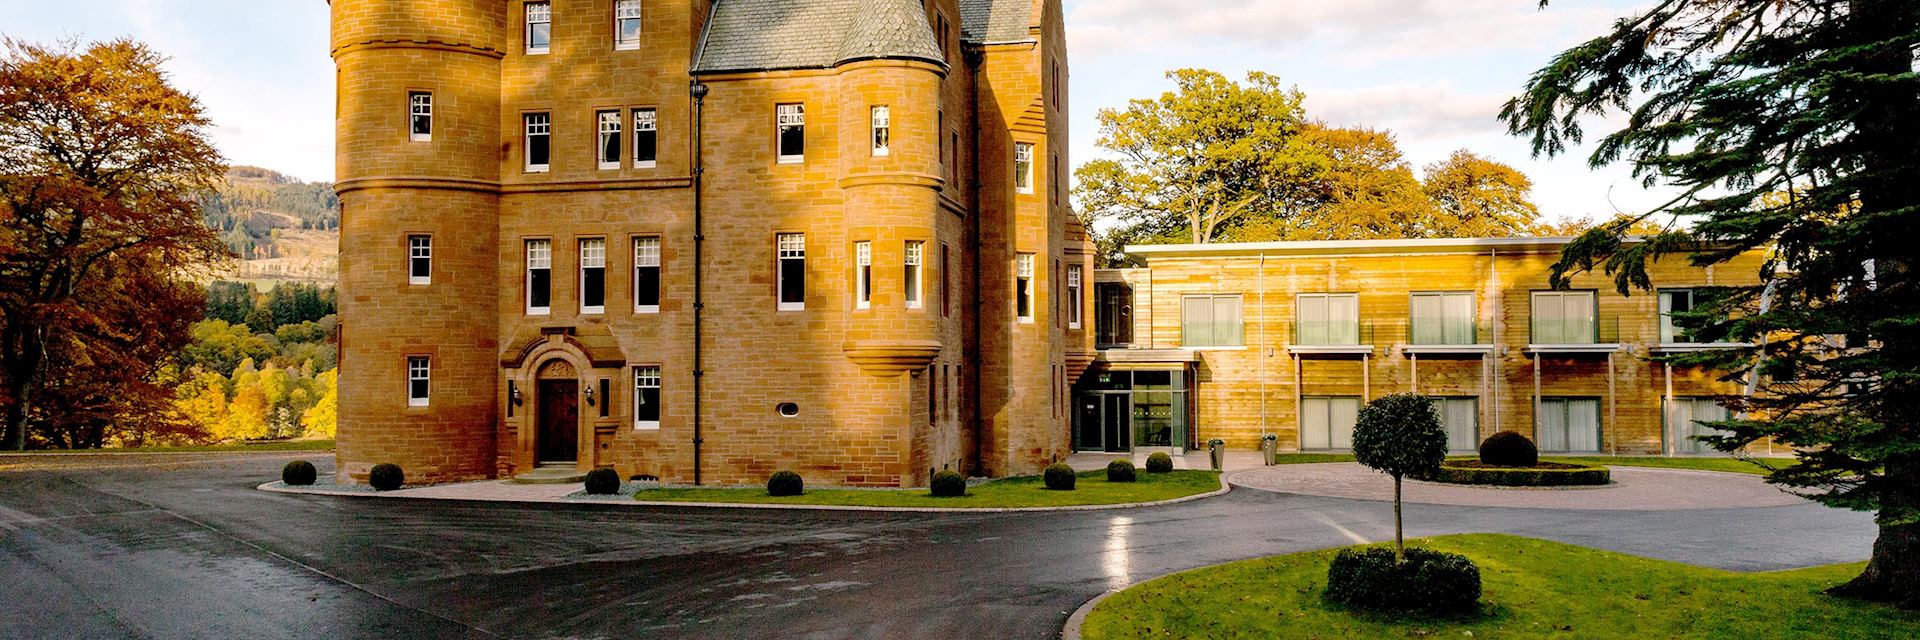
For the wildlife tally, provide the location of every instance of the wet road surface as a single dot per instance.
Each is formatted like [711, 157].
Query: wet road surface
[183, 546]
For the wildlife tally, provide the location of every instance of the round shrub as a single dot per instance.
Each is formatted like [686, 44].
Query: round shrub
[1120, 471]
[949, 484]
[1429, 581]
[386, 476]
[1159, 463]
[785, 483]
[603, 482]
[1059, 477]
[1509, 449]
[298, 473]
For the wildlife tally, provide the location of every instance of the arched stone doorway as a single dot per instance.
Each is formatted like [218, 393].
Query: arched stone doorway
[556, 435]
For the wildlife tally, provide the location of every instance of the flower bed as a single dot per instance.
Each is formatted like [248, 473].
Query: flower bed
[1544, 474]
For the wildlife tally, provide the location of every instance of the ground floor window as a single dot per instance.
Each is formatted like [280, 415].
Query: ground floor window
[1568, 425]
[1327, 422]
[1461, 417]
[1119, 411]
[1685, 418]
[646, 398]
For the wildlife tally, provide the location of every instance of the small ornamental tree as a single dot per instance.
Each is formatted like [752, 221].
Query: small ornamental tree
[1400, 435]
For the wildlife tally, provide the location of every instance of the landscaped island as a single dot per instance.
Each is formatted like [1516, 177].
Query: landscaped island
[1532, 589]
[1090, 488]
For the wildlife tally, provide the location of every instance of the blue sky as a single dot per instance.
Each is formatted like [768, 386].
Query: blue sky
[1433, 71]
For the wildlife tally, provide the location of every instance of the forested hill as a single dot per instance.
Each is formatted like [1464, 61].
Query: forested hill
[282, 228]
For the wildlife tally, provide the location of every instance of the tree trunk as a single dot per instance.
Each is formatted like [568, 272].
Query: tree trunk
[16, 432]
[1399, 537]
[1893, 575]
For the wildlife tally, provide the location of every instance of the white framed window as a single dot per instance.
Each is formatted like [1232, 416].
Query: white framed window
[862, 274]
[539, 277]
[1074, 304]
[915, 273]
[1568, 425]
[1023, 167]
[1564, 317]
[1327, 319]
[626, 25]
[593, 275]
[1677, 301]
[882, 130]
[1211, 320]
[1327, 422]
[646, 274]
[420, 116]
[609, 139]
[539, 27]
[1442, 318]
[646, 398]
[792, 270]
[538, 141]
[419, 259]
[1023, 287]
[791, 122]
[646, 138]
[419, 373]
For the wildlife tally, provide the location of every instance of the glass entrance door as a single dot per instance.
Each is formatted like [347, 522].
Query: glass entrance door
[1114, 421]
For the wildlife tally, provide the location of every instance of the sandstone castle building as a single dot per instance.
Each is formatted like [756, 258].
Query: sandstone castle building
[706, 240]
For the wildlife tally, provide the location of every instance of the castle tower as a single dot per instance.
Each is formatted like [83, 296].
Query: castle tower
[418, 134]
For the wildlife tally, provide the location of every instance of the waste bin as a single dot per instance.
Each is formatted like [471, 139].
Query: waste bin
[1217, 450]
[1269, 449]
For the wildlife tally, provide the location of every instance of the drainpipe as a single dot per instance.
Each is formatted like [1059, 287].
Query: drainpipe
[699, 93]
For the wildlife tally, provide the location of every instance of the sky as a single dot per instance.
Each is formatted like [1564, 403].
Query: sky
[1434, 72]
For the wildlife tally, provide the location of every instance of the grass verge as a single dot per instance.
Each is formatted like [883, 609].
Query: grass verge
[281, 445]
[1533, 589]
[1091, 488]
[1698, 464]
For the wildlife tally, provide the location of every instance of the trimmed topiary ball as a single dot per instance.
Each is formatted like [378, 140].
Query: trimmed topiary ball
[948, 484]
[1159, 463]
[1429, 581]
[603, 481]
[1059, 477]
[1509, 449]
[298, 473]
[386, 476]
[785, 483]
[1120, 471]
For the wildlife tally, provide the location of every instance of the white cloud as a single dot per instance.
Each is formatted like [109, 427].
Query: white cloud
[1414, 111]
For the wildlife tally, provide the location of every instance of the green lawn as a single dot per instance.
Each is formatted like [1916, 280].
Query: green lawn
[283, 445]
[1026, 491]
[1700, 464]
[1532, 589]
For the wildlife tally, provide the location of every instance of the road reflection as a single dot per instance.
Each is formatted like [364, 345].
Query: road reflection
[1116, 559]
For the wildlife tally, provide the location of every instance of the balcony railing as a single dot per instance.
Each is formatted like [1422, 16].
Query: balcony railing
[1601, 330]
[1324, 334]
[1425, 334]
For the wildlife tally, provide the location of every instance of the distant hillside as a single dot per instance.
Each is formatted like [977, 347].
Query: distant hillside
[282, 228]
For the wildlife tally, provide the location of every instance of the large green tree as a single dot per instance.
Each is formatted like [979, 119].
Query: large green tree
[1789, 127]
[100, 162]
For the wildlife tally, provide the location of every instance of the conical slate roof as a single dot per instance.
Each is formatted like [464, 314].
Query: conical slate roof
[890, 29]
[764, 35]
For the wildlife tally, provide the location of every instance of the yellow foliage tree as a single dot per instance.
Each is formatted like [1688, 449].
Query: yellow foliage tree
[322, 421]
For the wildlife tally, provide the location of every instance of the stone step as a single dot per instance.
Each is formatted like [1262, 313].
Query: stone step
[551, 475]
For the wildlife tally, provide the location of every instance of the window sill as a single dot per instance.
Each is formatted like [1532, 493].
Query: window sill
[648, 164]
[1217, 348]
[419, 282]
[609, 166]
[539, 168]
[793, 306]
[881, 153]
[413, 403]
[646, 426]
[647, 310]
[791, 160]
[538, 52]
[540, 312]
[1026, 320]
[627, 47]
[421, 138]
[915, 306]
[1073, 326]
[592, 311]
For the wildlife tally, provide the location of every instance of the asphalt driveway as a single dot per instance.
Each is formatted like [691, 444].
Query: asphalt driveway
[183, 546]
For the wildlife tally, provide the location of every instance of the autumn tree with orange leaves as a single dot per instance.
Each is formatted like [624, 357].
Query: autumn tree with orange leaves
[100, 160]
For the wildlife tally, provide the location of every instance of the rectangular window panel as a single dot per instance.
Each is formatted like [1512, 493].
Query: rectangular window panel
[1023, 287]
[882, 130]
[791, 120]
[792, 249]
[946, 300]
[609, 139]
[1461, 417]
[420, 116]
[539, 133]
[1569, 425]
[1327, 423]
[1074, 303]
[645, 138]
[419, 371]
[913, 273]
[539, 27]
[1672, 302]
[1113, 313]
[593, 275]
[419, 259]
[1210, 321]
[1563, 317]
[1023, 167]
[1327, 319]
[1442, 318]
[1687, 419]
[539, 277]
[646, 275]
[626, 24]
[863, 274]
[646, 398]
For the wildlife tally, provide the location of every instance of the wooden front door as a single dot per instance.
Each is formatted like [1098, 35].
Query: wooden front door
[558, 437]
